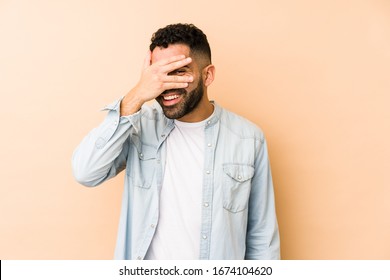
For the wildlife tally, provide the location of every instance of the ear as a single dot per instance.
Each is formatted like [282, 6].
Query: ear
[208, 74]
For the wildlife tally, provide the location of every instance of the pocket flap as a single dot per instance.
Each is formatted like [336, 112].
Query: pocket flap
[239, 172]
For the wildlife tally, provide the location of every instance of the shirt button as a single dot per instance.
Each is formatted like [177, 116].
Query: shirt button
[152, 225]
[162, 135]
[208, 172]
[138, 258]
[141, 155]
[239, 177]
[208, 122]
[209, 145]
[206, 204]
[204, 236]
[116, 122]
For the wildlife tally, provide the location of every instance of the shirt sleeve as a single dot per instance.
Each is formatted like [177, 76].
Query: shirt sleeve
[262, 240]
[102, 154]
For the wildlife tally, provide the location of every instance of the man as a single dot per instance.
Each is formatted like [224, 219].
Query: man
[198, 183]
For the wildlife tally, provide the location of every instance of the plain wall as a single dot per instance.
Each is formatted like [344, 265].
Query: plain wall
[314, 75]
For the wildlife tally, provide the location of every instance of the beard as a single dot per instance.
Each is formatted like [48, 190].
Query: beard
[190, 100]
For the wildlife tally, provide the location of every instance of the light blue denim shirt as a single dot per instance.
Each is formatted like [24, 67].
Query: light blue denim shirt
[238, 210]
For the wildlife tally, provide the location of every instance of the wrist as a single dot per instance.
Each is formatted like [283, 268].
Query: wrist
[131, 103]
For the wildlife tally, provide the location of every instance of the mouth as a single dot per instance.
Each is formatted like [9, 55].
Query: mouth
[170, 99]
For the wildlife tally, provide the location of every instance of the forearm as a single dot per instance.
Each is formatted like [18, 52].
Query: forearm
[102, 153]
[132, 102]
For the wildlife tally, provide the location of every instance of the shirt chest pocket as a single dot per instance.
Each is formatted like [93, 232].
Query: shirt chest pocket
[143, 167]
[236, 186]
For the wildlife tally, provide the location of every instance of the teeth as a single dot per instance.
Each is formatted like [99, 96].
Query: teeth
[171, 97]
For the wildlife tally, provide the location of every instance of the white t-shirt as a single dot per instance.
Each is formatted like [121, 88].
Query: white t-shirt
[177, 234]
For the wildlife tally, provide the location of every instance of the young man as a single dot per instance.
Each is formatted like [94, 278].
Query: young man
[198, 183]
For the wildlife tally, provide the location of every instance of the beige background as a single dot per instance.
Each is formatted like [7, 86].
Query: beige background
[313, 74]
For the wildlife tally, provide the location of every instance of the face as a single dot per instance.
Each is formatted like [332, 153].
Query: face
[176, 103]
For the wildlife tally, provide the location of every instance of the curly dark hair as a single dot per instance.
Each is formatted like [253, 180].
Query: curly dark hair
[180, 33]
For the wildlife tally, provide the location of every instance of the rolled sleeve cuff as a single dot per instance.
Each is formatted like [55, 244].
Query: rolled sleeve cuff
[115, 122]
[134, 119]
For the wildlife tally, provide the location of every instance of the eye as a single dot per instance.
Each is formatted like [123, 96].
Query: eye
[180, 72]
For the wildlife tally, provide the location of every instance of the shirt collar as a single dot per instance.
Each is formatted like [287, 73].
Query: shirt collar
[169, 123]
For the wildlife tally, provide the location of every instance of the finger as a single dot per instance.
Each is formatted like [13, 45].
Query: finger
[178, 79]
[167, 86]
[169, 60]
[176, 65]
[147, 60]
